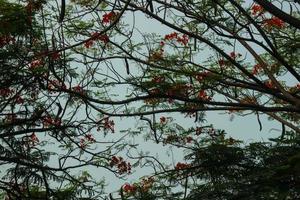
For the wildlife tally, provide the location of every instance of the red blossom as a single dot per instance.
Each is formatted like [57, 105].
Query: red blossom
[163, 120]
[121, 165]
[189, 139]
[82, 143]
[180, 166]
[269, 84]
[35, 64]
[34, 139]
[171, 36]
[78, 89]
[234, 55]
[274, 22]
[48, 121]
[108, 17]
[89, 43]
[90, 138]
[102, 37]
[203, 95]
[129, 189]
[221, 62]
[202, 75]
[107, 125]
[257, 9]
[256, 69]
[56, 84]
[184, 39]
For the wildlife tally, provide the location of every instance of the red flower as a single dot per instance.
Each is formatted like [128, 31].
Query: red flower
[256, 9]
[256, 69]
[202, 75]
[171, 36]
[104, 38]
[89, 43]
[119, 163]
[184, 39]
[35, 64]
[90, 138]
[163, 120]
[221, 62]
[189, 139]
[233, 55]
[180, 166]
[77, 89]
[108, 17]
[34, 138]
[129, 189]
[202, 95]
[269, 84]
[82, 143]
[274, 22]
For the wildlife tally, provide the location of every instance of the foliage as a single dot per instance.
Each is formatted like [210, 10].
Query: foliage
[84, 88]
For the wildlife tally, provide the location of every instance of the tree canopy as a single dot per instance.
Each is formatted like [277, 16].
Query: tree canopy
[87, 85]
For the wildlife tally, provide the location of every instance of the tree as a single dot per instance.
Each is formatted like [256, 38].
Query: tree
[72, 70]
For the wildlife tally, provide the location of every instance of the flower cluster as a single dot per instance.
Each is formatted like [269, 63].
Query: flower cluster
[109, 17]
[87, 139]
[35, 64]
[203, 96]
[202, 75]
[269, 84]
[109, 125]
[78, 89]
[163, 120]
[129, 189]
[256, 69]
[234, 55]
[34, 138]
[274, 22]
[94, 37]
[121, 165]
[181, 166]
[257, 9]
[48, 121]
[56, 84]
[184, 39]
